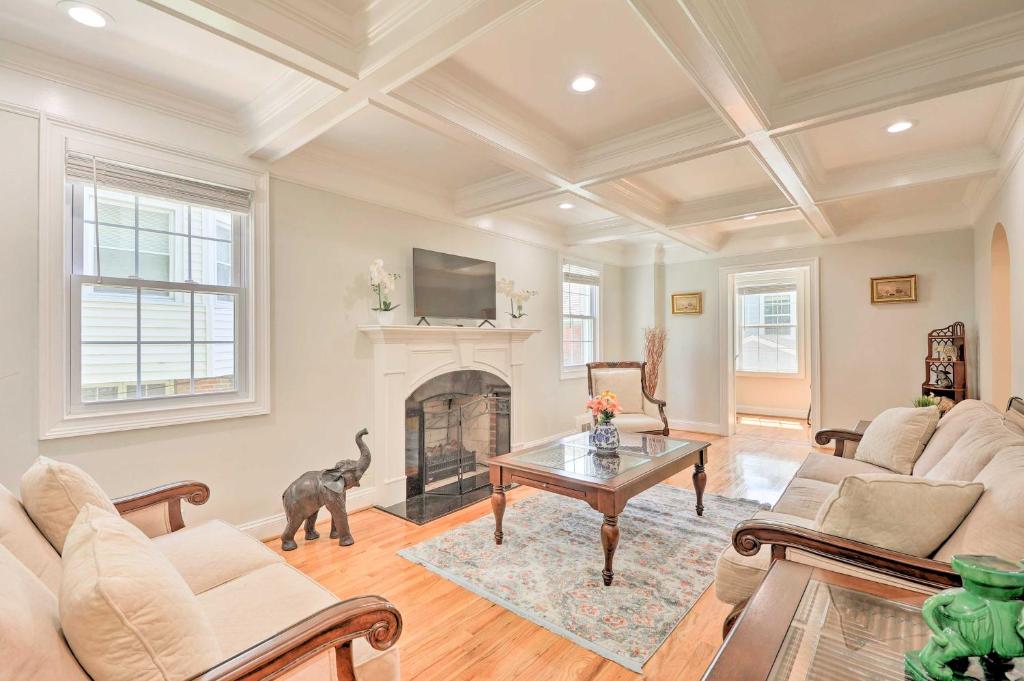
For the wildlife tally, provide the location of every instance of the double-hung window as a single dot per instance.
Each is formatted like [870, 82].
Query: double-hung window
[769, 313]
[159, 280]
[581, 291]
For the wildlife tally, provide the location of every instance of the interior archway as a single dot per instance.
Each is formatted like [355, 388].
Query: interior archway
[1000, 338]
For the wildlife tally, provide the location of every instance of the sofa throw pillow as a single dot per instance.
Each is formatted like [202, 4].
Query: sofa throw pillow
[53, 492]
[125, 611]
[897, 512]
[972, 452]
[897, 437]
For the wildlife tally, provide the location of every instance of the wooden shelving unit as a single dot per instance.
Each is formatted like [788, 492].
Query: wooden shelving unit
[945, 367]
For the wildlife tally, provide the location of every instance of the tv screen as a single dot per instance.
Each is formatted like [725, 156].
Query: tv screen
[451, 286]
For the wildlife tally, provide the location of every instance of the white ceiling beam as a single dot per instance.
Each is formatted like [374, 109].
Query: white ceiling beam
[499, 193]
[602, 231]
[715, 61]
[727, 207]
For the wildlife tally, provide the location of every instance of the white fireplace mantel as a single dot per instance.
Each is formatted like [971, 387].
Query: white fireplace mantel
[405, 357]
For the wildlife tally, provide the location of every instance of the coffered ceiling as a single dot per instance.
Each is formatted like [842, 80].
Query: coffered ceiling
[716, 126]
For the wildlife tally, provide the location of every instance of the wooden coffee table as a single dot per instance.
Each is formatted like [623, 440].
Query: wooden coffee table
[571, 467]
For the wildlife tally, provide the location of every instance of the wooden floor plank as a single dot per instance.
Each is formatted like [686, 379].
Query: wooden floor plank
[451, 634]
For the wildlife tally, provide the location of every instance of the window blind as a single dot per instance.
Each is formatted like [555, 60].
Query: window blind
[114, 175]
[766, 288]
[581, 274]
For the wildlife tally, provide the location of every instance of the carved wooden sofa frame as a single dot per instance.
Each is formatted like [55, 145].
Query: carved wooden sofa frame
[333, 628]
[642, 366]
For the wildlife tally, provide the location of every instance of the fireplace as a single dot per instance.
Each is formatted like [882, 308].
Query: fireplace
[454, 423]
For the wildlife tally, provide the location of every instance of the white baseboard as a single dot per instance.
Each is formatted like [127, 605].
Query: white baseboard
[272, 526]
[771, 411]
[696, 426]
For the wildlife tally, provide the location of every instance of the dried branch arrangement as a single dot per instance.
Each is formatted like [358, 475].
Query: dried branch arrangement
[654, 351]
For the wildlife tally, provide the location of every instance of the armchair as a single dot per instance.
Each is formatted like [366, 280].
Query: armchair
[641, 411]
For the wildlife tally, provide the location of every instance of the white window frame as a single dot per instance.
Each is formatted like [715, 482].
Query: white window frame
[62, 413]
[802, 320]
[569, 373]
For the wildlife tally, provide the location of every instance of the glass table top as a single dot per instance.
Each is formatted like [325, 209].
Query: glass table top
[576, 454]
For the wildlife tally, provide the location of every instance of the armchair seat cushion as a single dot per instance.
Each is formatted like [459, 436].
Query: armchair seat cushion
[737, 576]
[803, 497]
[832, 469]
[257, 605]
[638, 423]
[213, 553]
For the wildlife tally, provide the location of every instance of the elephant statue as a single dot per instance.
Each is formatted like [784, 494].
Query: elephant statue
[313, 489]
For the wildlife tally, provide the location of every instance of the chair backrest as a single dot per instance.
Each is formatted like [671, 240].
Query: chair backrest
[625, 379]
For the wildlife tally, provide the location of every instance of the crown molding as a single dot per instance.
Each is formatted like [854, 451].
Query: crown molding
[31, 62]
[498, 193]
[970, 57]
[698, 134]
[727, 207]
[603, 231]
[1010, 109]
[322, 19]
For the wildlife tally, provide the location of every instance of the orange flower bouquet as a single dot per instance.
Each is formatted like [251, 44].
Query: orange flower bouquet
[605, 406]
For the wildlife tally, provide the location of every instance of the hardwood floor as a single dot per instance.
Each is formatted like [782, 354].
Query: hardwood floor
[451, 634]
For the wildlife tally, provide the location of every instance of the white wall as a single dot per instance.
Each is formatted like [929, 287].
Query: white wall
[321, 245]
[872, 355]
[1007, 208]
[773, 396]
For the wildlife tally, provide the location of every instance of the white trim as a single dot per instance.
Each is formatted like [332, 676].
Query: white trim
[565, 373]
[727, 336]
[56, 417]
[771, 411]
[696, 426]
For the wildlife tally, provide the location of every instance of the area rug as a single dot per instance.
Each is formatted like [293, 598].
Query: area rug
[549, 568]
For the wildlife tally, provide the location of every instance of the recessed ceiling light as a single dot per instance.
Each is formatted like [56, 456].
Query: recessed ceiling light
[86, 15]
[584, 83]
[749, 217]
[566, 205]
[900, 126]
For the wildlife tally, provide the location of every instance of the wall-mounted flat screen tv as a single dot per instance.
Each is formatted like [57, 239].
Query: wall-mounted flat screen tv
[452, 286]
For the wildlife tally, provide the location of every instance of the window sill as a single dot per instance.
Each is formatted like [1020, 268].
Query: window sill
[768, 374]
[573, 374]
[90, 423]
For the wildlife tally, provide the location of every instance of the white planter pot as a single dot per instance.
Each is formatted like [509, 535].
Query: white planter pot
[517, 322]
[386, 317]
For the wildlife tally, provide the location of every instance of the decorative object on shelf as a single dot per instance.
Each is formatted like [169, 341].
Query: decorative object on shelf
[516, 301]
[945, 368]
[304, 497]
[688, 303]
[926, 401]
[983, 619]
[383, 283]
[654, 352]
[604, 407]
[896, 289]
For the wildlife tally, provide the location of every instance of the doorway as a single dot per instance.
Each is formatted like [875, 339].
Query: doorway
[999, 343]
[769, 326]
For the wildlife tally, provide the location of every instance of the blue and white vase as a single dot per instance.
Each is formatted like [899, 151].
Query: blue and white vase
[606, 437]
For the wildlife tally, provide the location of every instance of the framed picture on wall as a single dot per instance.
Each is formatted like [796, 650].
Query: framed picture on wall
[688, 303]
[897, 289]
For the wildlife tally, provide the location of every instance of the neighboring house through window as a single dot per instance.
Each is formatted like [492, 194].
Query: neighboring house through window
[581, 291]
[769, 323]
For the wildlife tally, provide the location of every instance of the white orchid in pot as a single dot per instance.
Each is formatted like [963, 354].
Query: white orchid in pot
[516, 300]
[383, 283]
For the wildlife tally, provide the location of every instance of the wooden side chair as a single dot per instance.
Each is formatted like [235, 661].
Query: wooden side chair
[641, 411]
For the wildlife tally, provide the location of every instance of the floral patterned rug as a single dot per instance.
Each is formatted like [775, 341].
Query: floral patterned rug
[549, 568]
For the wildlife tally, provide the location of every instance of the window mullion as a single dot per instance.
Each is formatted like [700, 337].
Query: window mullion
[192, 338]
[138, 342]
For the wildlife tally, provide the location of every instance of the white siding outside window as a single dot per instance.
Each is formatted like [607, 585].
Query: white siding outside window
[769, 325]
[581, 290]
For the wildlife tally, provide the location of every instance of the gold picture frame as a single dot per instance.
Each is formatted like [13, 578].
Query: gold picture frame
[688, 303]
[895, 289]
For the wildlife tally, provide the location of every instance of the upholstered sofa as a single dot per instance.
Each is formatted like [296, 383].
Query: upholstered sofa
[268, 619]
[641, 411]
[974, 441]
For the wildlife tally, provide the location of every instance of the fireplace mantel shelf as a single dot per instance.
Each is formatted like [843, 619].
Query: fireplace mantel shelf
[413, 334]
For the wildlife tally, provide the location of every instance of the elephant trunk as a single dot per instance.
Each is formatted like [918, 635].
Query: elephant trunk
[364, 453]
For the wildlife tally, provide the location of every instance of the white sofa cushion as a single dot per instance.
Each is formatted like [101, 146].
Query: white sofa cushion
[254, 607]
[638, 423]
[24, 540]
[897, 437]
[951, 427]
[625, 383]
[832, 469]
[897, 512]
[737, 576]
[803, 497]
[975, 448]
[30, 637]
[213, 553]
[53, 492]
[994, 526]
[126, 612]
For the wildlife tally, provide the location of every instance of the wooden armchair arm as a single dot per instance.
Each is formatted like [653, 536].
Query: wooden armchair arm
[841, 436]
[749, 535]
[334, 627]
[195, 493]
[654, 400]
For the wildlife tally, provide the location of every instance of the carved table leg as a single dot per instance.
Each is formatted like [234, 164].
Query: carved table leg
[498, 505]
[609, 540]
[700, 481]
